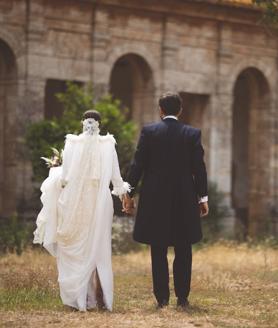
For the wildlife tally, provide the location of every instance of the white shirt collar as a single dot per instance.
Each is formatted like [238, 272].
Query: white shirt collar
[170, 116]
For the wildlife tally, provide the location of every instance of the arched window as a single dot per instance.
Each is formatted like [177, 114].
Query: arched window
[131, 82]
[251, 150]
[8, 97]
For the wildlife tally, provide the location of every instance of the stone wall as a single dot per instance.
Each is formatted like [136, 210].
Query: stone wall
[204, 50]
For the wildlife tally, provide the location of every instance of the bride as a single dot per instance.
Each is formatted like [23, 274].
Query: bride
[75, 222]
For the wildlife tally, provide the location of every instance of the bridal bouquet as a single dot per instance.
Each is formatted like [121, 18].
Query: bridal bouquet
[55, 159]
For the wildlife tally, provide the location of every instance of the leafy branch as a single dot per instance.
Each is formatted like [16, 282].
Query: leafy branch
[270, 10]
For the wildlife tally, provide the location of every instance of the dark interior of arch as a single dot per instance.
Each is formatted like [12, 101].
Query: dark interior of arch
[250, 150]
[53, 108]
[131, 82]
[8, 96]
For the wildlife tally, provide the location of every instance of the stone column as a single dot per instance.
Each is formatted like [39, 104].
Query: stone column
[31, 108]
[274, 167]
[100, 42]
[221, 143]
[221, 102]
[10, 154]
[8, 133]
[170, 46]
[221, 128]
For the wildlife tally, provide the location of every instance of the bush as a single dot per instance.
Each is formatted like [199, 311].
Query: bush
[15, 235]
[42, 136]
[213, 223]
[269, 12]
[122, 240]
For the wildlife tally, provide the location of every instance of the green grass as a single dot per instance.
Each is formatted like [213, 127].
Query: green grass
[232, 286]
[29, 299]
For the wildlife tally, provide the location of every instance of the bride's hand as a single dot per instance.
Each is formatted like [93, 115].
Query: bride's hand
[128, 205]
[204, 209]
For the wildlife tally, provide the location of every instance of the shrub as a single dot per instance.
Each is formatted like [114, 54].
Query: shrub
[213, 223]
[15, 235]
[42, 136]
[122, 240]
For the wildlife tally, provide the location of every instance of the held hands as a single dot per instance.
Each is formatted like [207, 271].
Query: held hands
[128, 205]
[204, 209]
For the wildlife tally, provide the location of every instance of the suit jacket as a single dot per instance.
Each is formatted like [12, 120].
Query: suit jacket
[169, 158]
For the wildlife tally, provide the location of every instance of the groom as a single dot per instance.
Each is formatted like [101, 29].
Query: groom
[173, 196]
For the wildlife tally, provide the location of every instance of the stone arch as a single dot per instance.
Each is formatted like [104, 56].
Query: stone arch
[8, 99]
[11, 41]
[17, 46]
[239, 65]
[140, 50]
[131, 81]
[251, 155]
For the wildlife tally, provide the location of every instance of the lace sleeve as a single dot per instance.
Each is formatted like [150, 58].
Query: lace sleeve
[66, 162]
[120, 187]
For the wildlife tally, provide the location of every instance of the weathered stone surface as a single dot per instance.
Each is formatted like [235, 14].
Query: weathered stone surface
[204, 50]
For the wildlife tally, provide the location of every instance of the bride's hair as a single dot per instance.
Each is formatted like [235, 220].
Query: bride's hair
[92, 114]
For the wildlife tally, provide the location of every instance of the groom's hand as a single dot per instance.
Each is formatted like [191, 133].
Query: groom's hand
[128, 205]
[204, 209]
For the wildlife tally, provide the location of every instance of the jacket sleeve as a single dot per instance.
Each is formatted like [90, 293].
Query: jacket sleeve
[119, 186]
[138, 163]
[198, 166]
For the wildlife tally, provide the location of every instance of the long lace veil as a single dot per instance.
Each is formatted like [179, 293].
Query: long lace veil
[85, 166]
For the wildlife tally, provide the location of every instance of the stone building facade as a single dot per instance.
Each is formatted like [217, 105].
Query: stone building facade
[215, 53]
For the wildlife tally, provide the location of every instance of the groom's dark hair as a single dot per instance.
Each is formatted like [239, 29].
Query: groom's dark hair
[170, 103]
[92, 114]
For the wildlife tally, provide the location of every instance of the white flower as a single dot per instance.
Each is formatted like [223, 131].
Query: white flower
[90, 126]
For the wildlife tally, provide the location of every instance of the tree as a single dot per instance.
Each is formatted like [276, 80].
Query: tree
[270, 8]
[42, 136]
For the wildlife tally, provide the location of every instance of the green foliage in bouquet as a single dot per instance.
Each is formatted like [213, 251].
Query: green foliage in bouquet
[43, 136]
[55, 160]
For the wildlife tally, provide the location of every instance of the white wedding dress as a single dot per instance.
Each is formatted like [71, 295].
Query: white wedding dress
[75, 222]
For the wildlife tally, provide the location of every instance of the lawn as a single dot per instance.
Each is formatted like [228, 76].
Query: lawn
[233, 286]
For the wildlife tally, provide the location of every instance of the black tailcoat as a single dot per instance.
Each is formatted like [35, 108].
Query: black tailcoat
[169, 158]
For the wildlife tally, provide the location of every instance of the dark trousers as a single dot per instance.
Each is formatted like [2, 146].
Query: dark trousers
[181, 269]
